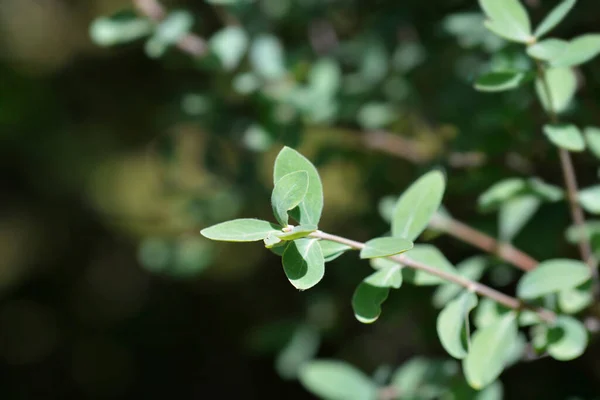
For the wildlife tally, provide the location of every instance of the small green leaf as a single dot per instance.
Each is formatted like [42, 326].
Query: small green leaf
[589, 198]
[381, 263]
[569, 339]
[592, 137]
[472, 268]
[309, 210]
[565, 136]
[500, 192]
[488, 312]
[390, 277]
[229, 44]
[272, 240]
[301, 348]
[509, 19]
[514, 214]
[430, 255]
[384, 247]
[548, 49]
[562, 84]
[417, 205]
[487, 356]
[367, 301]
[240, 230]
[451, 323]
[579, 51]
[332, 250]
[554, 17]
[514, 354]
[495, 391]
[267, 57]
[336, 380]
[422, 378]
[297, 232]
[303, 263]
[589, 230]
[499, 81]
[575, 300]
[552, 276]
[289, 191]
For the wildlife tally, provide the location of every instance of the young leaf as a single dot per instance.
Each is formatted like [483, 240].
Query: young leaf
[390, 277]
[428, 254]
[487, 356]
[332, 250]
[303, 263]
[509, 19]
[579, 51]
[272, 240]
[297, 232]
[562, 84]
[471, 268]
[417, 205]
[574, 300]
[451, 323]
[548, 49]
[568, 339]
[499, 81]
[514, 214]
[592, 137]
[288, 192]
[589, 198]
[552, 276]
[384, 247]
[565, 136]
[336, 380]
[309, 210]
[240, 230]
[554, 17]
[367, 301]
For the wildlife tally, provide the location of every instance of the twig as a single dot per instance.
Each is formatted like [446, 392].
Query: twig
[570, 182]
[472, 236]
[190, 43]
[468, 284]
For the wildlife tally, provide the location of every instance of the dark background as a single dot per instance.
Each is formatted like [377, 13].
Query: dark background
[107, 289]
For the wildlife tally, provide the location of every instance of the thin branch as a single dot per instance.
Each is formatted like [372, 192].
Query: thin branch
[468, 284]
[190, 43]
[476, 238]
[570, 178]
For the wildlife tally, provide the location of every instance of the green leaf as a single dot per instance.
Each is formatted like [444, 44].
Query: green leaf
[554, 17]
[592, 137]
[569, 339]
[229, 44]
[514, 214]
[562, 84]
[289, 191]
[302, 348]
[417, 205]
[548, 49]
[169, 31]
[422, 378]
[589, 198]
[380, 263]
[430, 255]
[565, 136]
[579, 51]
[509, 19]
[367, 301]
[240, 230]
[336, 380]
[309, 210]
[552, 276]
[575, 300]
[267, 57]
[499, 81]
[452, 321]
[495, 391]
[384, 247]
[109, 32]
[488, 312]
[272, 240]
[588, 231]
[332, 250]
[500, 192]
[297, 232]
[514, 354]
[376, 115]
[472, 268]
[303, 263]
[487, 355]
[390, 277]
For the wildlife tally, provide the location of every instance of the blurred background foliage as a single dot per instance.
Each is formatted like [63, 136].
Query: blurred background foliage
[114, 159]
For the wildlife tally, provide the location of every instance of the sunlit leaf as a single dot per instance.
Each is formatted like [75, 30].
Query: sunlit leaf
[508, 18]
[332, 250]
[288, 192]
[562, 84]
[267, 57]
[552, 276]
[303, 263]
[430, 255]
[547, 49]
[240, 230]
[568, 339]
[451, 324]
[589, 198]
[592, 138]
[554, 17]
[471, 268]
[383, 247]
[336, 380]
[386, 277]
[229, 44]
[514, 214]
[565, 136]
[488, 312]
[417, 205]
[501, 192]
[575, 300]
[579, 51]
[297, 232]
